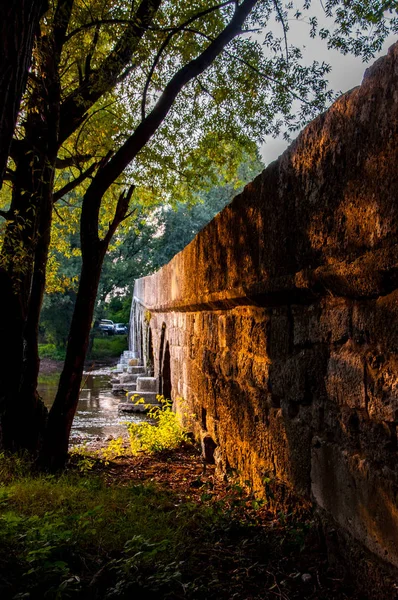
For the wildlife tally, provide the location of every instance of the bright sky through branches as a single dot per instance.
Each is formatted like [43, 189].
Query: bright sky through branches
[347, 71]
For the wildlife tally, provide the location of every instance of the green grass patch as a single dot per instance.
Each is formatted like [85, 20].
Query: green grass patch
[87, 534]
[57, 534]
[103, 347]
[110, 346]
[51, 351]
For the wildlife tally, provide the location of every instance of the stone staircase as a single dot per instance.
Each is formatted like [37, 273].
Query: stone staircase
[132, 380]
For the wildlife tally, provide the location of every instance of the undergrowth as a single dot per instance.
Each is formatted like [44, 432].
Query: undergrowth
[95, 533]
[110, 346]
[164, 431]
[56, 534]
[51, 351]
[74, 536]
[103, 347]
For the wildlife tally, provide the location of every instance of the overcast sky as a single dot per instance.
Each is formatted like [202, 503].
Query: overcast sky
[347, 72]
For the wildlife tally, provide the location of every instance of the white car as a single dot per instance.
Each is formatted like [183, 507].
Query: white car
[107, 326]
[120, 328]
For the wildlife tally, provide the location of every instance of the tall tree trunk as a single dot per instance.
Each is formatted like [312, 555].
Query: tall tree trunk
[55, 450]
[18, 26]
[22, 415]
[23, 262]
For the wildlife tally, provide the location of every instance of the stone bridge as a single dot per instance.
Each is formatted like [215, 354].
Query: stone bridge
[278, 324]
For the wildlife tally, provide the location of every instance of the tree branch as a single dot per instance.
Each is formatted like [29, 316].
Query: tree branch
[98, 23]
[61, 22]
[72, 161]
[58, 215]
[120, 214]
[84, 175]
[105, 176]
[102, 80]
[71, 185]
[284, 27]
[252, 67]
[145, 130]
[173, 32]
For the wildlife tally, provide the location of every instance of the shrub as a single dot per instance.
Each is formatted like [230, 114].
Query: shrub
[163, 433]
[51, 351]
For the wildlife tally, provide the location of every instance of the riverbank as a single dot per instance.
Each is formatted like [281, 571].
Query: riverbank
[103, 349]
[49, 365]
[154, 526]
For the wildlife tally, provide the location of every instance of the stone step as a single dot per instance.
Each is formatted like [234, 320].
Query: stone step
[128, 377]
[137, 369]
[130, 407]
[133, 362]
[136, 375]
[148, 397]
[130, 354]
[147, 384]
[122, 388]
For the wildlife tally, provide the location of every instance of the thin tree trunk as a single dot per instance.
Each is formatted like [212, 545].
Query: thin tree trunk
[55, 450]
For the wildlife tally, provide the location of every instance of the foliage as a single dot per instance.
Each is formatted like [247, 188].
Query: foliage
[56, 317]
[359, 27]
[51, 351]
[114, 449]
[92, 534]
[103, 347]
[52, 531]
[106, 347]
[118, 308]
[163, 433]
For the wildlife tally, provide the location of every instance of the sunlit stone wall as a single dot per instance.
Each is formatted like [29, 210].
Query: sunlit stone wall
[278, 324]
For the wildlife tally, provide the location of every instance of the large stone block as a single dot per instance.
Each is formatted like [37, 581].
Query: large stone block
[361, 498]
[345, 381]
[147, 384]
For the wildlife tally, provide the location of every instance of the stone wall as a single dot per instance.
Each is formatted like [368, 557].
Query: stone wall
[278, 324]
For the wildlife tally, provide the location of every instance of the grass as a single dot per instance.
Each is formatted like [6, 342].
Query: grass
[155, 527]
[103, 347]
[110, 346]
[51, 351]
[57, 534]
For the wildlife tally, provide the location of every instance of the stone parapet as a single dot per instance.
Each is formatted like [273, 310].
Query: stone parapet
[278, 323]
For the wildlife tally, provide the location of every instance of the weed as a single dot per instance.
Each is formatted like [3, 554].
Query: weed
[14, 466]
[114, 449]
[82, 458]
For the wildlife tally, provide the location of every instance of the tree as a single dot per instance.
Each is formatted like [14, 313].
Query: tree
[123, 101]
[17, 30]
